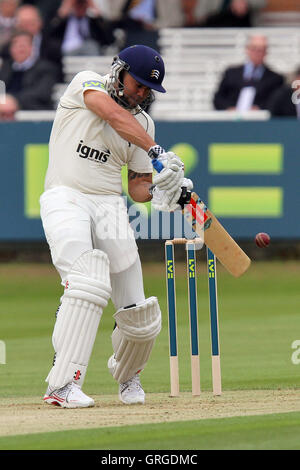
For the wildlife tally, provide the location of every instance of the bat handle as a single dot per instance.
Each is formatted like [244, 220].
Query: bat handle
[157, 165]
[185, 197]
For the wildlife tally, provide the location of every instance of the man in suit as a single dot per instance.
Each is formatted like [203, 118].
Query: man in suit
[7, 19]
[249, 86]
[80, 29]
[233, 13]
[29, 19]
[285, 102]
[28, 80]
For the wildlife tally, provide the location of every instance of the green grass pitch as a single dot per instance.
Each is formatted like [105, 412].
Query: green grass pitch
[259, 321]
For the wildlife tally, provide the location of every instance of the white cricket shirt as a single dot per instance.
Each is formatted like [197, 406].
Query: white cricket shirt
[85, 152]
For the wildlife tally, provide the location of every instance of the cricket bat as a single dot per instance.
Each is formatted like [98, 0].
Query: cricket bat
[216, 238]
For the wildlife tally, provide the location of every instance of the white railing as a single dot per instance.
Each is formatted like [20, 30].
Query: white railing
[195, 60]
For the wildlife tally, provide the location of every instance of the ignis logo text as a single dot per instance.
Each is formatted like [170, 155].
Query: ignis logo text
[90, 153]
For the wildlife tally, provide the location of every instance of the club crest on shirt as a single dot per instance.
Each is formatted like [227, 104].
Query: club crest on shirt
[96, 155]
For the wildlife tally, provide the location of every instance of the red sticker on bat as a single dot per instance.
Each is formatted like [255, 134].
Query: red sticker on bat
[197, 213]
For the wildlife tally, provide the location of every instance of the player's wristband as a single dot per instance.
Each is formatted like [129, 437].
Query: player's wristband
[155, 151]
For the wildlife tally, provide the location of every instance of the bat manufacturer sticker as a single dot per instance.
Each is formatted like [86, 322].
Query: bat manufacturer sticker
[197, 210]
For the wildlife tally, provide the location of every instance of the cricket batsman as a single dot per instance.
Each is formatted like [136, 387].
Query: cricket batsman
[101, 125]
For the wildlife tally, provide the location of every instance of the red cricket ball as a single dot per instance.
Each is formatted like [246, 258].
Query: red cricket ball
[262, 239]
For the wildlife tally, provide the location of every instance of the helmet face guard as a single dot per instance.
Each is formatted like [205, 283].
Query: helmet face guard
[145, 65]
[116, 88]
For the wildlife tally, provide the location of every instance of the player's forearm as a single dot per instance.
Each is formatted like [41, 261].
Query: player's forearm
[131, 130]
[118, 118]
[138, 186]
[140, 193]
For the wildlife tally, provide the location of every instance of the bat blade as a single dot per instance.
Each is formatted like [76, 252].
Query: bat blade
[216, 238]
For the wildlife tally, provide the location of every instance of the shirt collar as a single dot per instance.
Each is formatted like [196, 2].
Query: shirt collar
[249, 71]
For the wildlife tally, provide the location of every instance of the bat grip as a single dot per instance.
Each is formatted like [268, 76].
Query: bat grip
[157, 165]
[185, 197]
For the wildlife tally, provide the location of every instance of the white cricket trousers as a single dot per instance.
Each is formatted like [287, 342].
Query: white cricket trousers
[75, 223]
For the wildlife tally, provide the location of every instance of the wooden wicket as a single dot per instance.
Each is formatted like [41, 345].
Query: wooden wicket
[193, 316]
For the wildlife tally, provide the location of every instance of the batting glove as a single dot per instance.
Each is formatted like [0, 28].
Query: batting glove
[165, 201]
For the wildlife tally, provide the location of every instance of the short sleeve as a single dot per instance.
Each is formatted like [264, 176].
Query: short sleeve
[83, 81]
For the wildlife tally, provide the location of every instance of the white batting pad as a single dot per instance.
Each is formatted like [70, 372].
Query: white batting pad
[86, 295]
[133, 338]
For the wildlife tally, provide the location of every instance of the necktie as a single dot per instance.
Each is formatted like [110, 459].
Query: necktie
[82, 28]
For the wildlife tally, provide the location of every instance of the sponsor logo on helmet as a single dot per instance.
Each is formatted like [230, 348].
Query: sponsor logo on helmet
[155, 74]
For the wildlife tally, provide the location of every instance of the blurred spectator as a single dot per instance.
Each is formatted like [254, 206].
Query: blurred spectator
[29, 81]
[80, 29]
[234, 14]
[8, 10]
[136, 19]
[47, 8]
[30, 20]
[248, 86]
[189, 11]
[153, 14]
[207, 13]
[177, 13]
[285, 102]
[118, 10]
[143, 11]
